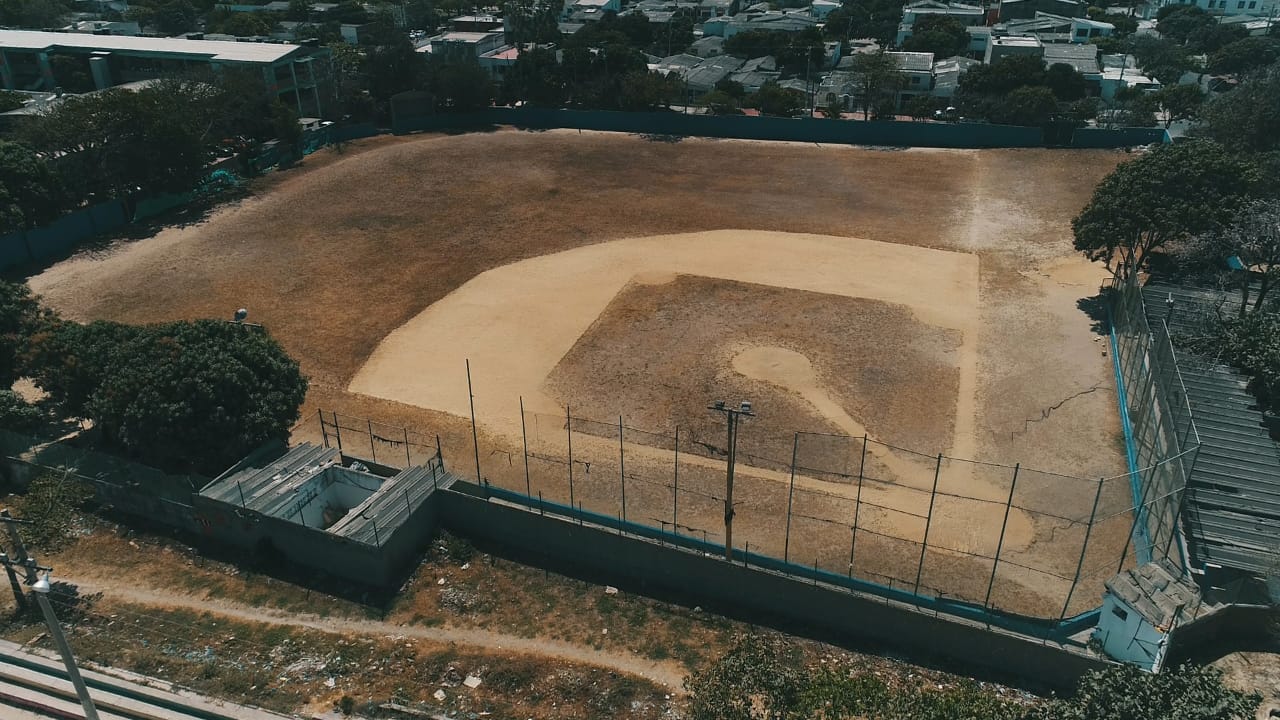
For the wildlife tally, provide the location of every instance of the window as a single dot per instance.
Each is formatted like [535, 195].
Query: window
[1240, 5]
[1120, 613]
[1082, 32]
[1253, 4]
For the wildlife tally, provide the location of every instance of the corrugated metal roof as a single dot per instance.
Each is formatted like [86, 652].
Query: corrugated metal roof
[1233, 498]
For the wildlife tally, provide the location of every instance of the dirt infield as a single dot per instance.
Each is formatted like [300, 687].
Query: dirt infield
[350, 256]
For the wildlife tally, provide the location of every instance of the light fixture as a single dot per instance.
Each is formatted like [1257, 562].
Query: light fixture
[42, 585]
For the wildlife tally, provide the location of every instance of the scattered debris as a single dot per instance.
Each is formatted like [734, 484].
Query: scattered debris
[439, 695]
[610, 590]
[472, 682]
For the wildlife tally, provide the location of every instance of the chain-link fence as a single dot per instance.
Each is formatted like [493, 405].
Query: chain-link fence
[1004, 539]
[1158, 419]
[391, 446]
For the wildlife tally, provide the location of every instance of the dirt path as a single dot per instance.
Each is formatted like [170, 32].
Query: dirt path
[667, 673]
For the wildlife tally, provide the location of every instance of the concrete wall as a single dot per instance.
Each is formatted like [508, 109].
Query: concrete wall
[906, 134]
[60, 236]
[708, 580]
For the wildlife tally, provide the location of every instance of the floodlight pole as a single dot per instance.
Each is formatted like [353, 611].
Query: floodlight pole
[733, 416]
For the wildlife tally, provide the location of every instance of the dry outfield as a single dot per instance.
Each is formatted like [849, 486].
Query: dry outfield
[338, 255]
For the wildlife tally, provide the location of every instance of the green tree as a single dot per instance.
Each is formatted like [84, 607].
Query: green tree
[532, 21]
[1123, 692]
[877, 19]
[722, 103]
[1162, 59]
[299, 10]
[1253, 236]
[33, 13]
[1178, 22]
[938, 34]
[174, 17]
[643, 90]
[10, 100]
[796, 52]
[18, 415]
[21, 319]
[1247, 117]
[1066, 82]
[1245, 55]
[773, 99]
[1179, 102]
[119, 143]
[192, 396]
[241, 24]
[922, 107]
[1168, 194]
[29, 191]
[878, 78]
[462, 86]
[535, 78]
[1026, 105]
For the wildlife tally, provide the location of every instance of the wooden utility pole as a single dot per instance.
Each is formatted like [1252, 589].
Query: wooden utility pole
[733, 416]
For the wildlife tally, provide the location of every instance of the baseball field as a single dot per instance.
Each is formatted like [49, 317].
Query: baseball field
[918, 316]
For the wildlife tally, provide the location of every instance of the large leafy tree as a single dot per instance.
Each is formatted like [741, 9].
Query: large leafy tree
[938, 34]
[773, 99]
[532, 21]
[878, 78]
[1179, 102]
[1026, 105]
[1067, 83]
[21, 319]
[1247, 117]
[184, 396]
[1171, 193]
[1253, 237]
[120, 143]
[796, 52]
[30, 194]
[1245, 55]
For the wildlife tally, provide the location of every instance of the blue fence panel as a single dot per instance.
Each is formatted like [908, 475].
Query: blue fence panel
[1036, 627]
[13, 250]
[892, 133]
[108, 216]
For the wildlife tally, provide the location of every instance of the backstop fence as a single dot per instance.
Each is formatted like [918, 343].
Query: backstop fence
[1163, 442]
[999, 540]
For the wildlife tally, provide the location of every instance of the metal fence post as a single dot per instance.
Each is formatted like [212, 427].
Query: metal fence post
[568, 428]
[924, 546]
[475, 441]
[622, 470]
[786, 543]
[337, 429]
[373, 449]
[675, 488]
[1084, 546]
[324, 434]
[524, 434]
[408, 460]
[857, 504]
[1000, 543]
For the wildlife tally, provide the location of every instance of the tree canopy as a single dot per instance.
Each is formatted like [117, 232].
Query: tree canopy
[1247, 117]
[1167, 194]
[184, 396]
[938, 34]
[30, 193]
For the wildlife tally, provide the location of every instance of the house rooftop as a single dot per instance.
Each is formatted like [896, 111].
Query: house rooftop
[913, 61]
[223, 51]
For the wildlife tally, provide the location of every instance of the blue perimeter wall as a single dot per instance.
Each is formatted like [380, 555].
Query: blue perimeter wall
[759, 589]
[849, 132]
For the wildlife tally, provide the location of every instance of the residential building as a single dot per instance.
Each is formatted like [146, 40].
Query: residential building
[822, 8]
[475, 23]
[947, 73]
[457, 44]
[1256, 26]
[1013, 45]
[918, 69]
[777, 20]
[294, 73]
[1084, 30]
[1253, 8]
[968, 15]
[499, 61]
[589, 10]
[1027, 9]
